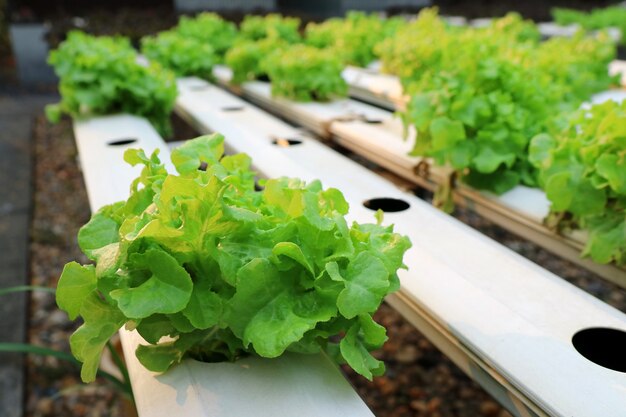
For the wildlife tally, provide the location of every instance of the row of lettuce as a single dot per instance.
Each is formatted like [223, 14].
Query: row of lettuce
[100, 75]
[596, 19]
[496, 103]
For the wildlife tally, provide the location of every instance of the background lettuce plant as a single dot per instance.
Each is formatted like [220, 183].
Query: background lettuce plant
[209, 29]
[353, 38]
[246, 58]
[273, 25]
[597, 19]
[305, 73]
[583, 171]
[477, 96]
[184, 56]
[101, 75]
[224, 270]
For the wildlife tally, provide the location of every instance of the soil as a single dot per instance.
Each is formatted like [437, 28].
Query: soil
[60, 208]
[420, 381]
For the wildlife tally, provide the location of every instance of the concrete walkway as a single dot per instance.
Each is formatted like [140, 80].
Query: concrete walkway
[16, 117]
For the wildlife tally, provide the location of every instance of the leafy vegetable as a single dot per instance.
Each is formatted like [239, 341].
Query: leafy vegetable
[577, 64]
[479, 95]
[210, 29]
[428, 41]
[273, 25]
[305, 73]
[354, 37]
[260, 37]
[604, 18]
[224, 270]
[184, 56]
[101, 75]
[246, 58]
[583, 170]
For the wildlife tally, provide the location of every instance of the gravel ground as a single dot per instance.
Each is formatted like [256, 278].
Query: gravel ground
[60, 208]
[420, 381]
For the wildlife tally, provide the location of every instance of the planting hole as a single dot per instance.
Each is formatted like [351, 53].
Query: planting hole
[388, 205]
[203, 166]
[121, 142]
[285, 142]
[232, 108]
[373, 121]
[602, 346]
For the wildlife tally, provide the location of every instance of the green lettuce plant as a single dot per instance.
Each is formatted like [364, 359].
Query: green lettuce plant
[352, 38]
[184, 56]
[583, 171]
[305, 73]
[577, 64]
[474, 106]
[101, 75]
[246, 58]
[203, 265]
[273, 25]
[210, 29]
[477, 96]
[597, 19]
[260, 37]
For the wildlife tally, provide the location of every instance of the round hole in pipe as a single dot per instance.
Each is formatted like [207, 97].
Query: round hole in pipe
[388, 205]
[203, 166]
[602, 346]
[121, 142]
[232, 108]
[373, 121]
[286, 142]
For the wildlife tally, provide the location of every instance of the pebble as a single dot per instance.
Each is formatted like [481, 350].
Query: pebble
[57, 318]
[44, 406]
[489, 409]
[433, 404]
[419, 405]
[407, 354]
